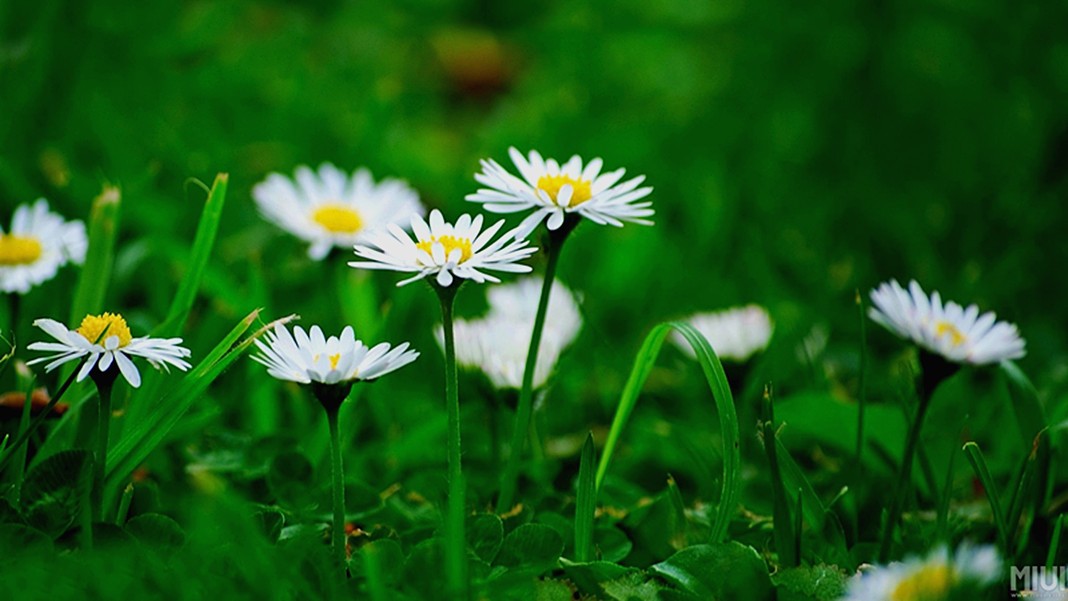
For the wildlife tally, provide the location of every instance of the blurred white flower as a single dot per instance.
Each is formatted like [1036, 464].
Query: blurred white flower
[933, 578]
[957, 334]
[307, 357]
[444, 250]
[497, 344]
[37, 245]
[554, 190]
[331, 209]
[106, 341]
[735, 334]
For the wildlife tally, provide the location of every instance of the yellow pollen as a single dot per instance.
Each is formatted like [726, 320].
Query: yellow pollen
[929, 582]
[112, 323]
[580, 188]
[338, 219]
[955, 336]
[333, 360]
[17, 250]
[450, 243]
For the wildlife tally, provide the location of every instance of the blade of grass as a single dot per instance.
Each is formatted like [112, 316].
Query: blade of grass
[37, 421]
[585, 503]
[785, 535]
[143, 437]
[1054, 542]
[942, 521]
[721, 395]
[203, 243]
[975, 457]
[95, 276]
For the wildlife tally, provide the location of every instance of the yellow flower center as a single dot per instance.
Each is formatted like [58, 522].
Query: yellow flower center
[580, 188]
[98, 328]
[334, 359]
[17, 250]
[945, 328]
[450, 243]
[338, 219]
[929, 583]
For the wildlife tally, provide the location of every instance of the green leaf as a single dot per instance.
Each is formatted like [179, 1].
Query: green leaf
[54, 489]
[585, 503]
[485, 533]
[531, 545]
[589, 576]
[1026, 407]
[23, 540]
[95, 276]
[721, 395]
[157, 531]
[720, 572]
[611, 543]
[811, 583]
[634, 587]
[378, 561]
[975, 457]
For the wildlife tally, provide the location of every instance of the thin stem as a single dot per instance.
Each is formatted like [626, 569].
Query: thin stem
[39, 419]
[863, 383]
[337, 527]
[455, 540]
[904, 477]
[104, 387]
[510, 477]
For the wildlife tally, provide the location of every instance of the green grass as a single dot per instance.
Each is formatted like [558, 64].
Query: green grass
[798, 155]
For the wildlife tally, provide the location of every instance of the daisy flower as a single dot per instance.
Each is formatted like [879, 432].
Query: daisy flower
[444, 250]
[37, 245]
[735, 334]
[554, 191]
[309, 357]
[933, 578]
[960, 335]
[105, 340]
[331, 209]
[497, 344]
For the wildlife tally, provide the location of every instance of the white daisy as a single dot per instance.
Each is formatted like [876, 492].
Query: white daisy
[307, 357]
[330, 208]
[497, 344]
[958, 334]
[555, 190]
[106, 341]
[735, 334]
[933, 578]
[444, 250]
[37, 245]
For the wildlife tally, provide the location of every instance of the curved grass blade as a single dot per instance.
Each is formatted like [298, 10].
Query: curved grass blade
[975, 456]
[721, 395]
[96, 272]
[785, 535]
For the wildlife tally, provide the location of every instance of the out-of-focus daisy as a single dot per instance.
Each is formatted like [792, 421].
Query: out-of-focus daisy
[107, 343]
[958, 334]
[497, 344]
[37, 245]
[331, 209]
[554, 191]
[933, 578]
[444, 250]
[735, 334]
[309, 357]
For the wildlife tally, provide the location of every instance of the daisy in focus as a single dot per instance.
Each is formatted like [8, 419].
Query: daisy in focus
[331, 209]
[933, 578]
[445, 251]
[107, 344]
[958, 334]
[37, 245]
[308, 357]
[554, 191]
[735, 334]
[497, 344]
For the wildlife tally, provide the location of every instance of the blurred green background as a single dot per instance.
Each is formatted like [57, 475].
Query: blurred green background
[798, 154]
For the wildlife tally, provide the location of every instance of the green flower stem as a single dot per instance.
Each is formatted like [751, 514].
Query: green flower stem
[337, 473]
[105, 382]
[455, 540]
[904, 479]
[510, 477]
